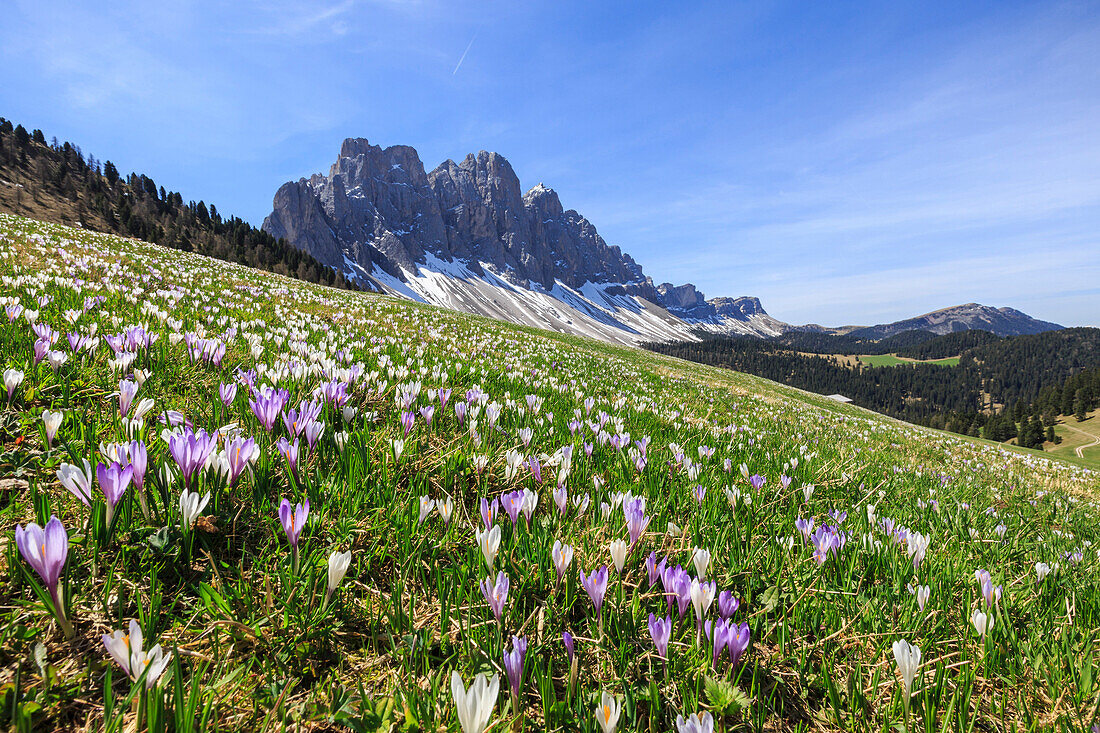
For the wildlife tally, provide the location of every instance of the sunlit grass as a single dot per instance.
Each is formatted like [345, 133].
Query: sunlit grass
[448, 454]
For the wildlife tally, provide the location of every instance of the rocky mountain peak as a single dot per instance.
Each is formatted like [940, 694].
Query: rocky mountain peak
[544, 201]
[378, 216]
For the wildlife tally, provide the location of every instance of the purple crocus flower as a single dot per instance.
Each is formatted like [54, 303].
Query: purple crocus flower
[990, 592]
[677, 585]
[700, 493]
[738, 642]
[190, 451]
[313, 431]
[113, 482]
[496, 594]
[512, 502]
[127, 390]
[41, 348]
[805, 526]
[407, 419]
[660, 629]
[427, 412]
[727, 604]
[293, 520]
[513, 666]
[489, 511]
[636, 520]
[228, 393]
[596, 586]
[45, 550]
[444, 395]
[289, 451]
[460, 412]
[536, 468]
[757, 481]
[567, 639]
[719, 634]
[654, 569]
[239, 453]
[139, 460]
[561, 498]
[297, 420]
[267, 405]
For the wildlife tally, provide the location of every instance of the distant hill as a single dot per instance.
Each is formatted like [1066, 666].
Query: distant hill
[1001, 321]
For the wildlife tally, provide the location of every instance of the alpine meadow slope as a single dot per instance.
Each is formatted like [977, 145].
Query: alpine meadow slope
[238, 501]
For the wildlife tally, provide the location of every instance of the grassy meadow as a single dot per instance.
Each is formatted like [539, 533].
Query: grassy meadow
[270, 505]
[881, 360]
[1078, 435]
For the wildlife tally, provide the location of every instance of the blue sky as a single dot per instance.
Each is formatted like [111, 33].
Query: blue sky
[847, 163]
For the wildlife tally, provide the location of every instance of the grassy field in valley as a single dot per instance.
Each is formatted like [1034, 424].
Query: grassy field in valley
[271, 505]
[880, 360]
[1078, 435]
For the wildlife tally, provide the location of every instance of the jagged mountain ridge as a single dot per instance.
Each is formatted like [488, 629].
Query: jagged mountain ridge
[465, 236]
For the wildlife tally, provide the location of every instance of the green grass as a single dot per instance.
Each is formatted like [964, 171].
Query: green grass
[258, 644]
[880, 360]
[1077, 434]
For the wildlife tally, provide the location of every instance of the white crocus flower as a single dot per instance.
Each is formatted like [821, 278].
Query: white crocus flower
[923, 593]
[489, 542]
[475, 706]
[607, 713]
[908, 658]
[983, 622]
[562, 556]
[76, 480]
[445, 507]
[191, 507]
[701, 559]
[618, 554]
[338, 563]
[427, 505]
[126, 650]
[52, 421]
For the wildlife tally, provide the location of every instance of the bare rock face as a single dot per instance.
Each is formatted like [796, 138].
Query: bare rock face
[378, 211]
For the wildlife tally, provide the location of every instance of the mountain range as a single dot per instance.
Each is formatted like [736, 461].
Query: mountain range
[466, 236]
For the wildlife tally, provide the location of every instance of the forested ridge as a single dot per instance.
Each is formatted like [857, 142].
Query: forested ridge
[57, 182]
[1002, 387]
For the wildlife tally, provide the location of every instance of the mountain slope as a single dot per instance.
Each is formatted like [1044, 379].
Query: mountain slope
[388, 426]
[56, 182]
[465, 236]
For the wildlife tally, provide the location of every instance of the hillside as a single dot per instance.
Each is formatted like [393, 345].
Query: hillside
[56, 182]
[992, 384]
[404, 425]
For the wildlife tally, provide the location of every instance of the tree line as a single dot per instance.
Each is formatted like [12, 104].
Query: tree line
[1003, 388]
[56, 182]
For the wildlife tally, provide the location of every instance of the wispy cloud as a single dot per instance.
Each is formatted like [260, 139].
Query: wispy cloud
[296, 20]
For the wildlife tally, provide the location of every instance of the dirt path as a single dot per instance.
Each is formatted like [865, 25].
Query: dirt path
[1080, 448]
